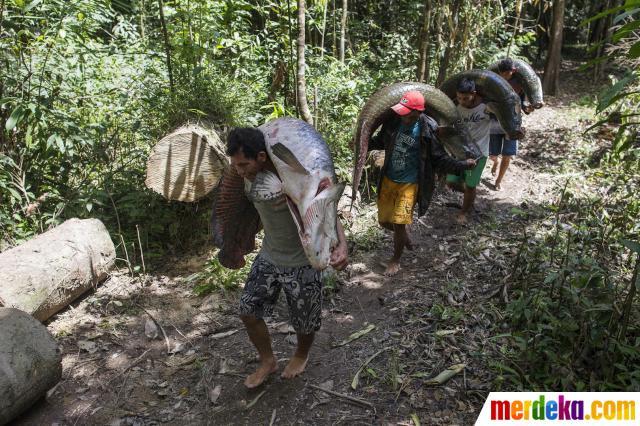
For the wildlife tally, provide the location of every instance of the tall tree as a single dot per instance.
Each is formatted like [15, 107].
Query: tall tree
[167, 45]
[303, 106]
[551, 80]
[452, 20]
[423, 59]
[343, 29]
[324, 27]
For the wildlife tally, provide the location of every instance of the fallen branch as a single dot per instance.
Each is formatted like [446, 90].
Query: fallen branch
[343, 396]
[252, 403]
[356, 378]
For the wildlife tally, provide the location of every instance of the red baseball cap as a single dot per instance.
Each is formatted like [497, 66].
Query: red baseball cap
[412, 100]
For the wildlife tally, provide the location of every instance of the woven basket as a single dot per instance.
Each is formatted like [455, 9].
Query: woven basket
[187, 164]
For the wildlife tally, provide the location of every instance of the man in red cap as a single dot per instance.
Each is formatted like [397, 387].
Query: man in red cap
[412, 153]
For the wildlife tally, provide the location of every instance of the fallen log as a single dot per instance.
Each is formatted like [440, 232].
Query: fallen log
[187, 164]
[30, 363]
[45, 274]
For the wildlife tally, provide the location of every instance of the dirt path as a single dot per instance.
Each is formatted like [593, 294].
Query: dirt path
[438, 312]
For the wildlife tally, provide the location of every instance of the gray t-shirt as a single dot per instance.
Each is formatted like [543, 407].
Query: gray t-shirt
[478, 122]
[281, 245]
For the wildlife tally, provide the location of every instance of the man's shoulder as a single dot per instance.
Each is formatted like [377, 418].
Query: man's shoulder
[427, 120]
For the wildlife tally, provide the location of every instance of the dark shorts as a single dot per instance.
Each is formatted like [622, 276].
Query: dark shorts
[499, 145]
[302, 288]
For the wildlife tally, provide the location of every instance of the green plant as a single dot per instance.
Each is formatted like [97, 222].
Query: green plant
[215, 277]
[575, 312]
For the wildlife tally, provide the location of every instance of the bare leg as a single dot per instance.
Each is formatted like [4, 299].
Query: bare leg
[259, 336]
[298, 361]
[467, 204]
[388, 226]
[494, 165]
[504, 165]
[400, 238]
[456, 186]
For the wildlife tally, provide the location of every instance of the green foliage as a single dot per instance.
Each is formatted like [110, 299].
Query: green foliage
[85, 94]
[215, 277]
[619, 103]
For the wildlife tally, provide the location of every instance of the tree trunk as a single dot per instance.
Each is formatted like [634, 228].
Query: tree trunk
[48, 272]
[334, 44]
[324, 28]
[167, 45]
[551, 81]
[142, 18]
[343, 30]
[303, 105]
[453, 32]
[423, 60]
[516, 26]
[29, 360]
[601, 36]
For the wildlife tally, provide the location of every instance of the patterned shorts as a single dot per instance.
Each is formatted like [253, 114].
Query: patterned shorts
[302, 287]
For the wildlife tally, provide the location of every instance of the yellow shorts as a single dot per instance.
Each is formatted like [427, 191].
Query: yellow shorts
[396, 201]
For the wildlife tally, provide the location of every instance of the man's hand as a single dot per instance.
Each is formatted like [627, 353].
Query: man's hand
[470, 163]
[339, 256]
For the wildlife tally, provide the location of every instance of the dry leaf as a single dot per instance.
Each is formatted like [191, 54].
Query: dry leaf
[356, 335]
[223, 334]
[150, 329]
[446, 374]
[88, 346]
[214, 393]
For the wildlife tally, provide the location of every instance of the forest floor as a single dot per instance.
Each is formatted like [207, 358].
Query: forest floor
[440, 311]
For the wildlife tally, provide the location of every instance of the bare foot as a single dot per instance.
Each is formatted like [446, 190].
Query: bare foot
[392, 268]
[494, 168]
[266, 367]
[295, 367]
[461, 219]
[497, 186]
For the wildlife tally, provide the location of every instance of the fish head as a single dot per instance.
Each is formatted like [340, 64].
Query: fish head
[457, 141]
[509, 114]
[316, 218]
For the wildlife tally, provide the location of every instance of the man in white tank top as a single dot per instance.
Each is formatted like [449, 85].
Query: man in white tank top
[475, 114]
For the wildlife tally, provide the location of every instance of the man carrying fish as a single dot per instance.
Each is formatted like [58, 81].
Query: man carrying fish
[499, 143]
[475, 114]
[412, 152]
[284, 260]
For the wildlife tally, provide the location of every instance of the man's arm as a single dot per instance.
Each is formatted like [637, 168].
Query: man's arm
[339, 255]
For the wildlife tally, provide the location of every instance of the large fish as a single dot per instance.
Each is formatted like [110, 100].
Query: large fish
[528, 79]
[307, 177]
[497, 93]
[453, 135]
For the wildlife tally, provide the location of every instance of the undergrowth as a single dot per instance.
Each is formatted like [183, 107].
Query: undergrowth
[574, 312]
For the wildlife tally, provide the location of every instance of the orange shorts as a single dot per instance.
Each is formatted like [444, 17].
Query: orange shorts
[396, 201]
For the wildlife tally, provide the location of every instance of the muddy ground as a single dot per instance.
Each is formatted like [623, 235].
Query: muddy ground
[442, 310]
